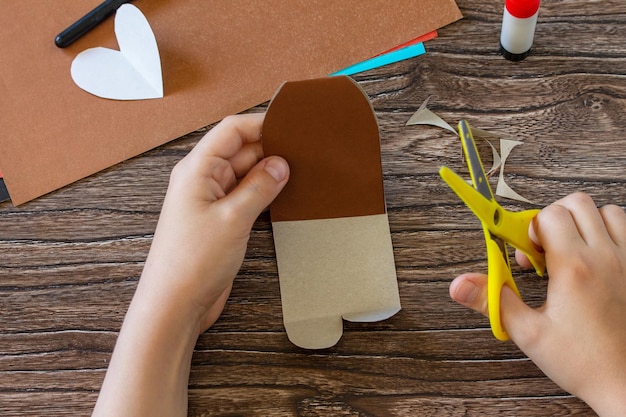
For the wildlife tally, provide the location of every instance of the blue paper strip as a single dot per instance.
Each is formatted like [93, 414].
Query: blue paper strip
[410, 51]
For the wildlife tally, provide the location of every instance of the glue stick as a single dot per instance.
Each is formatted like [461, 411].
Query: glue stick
[518, 28]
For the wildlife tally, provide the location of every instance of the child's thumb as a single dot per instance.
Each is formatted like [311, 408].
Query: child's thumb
[259, 188]
[522, 323]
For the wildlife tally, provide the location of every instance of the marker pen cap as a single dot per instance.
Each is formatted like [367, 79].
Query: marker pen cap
[518, 28]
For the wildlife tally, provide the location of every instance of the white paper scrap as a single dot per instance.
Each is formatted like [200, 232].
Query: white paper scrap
[483, 134]
[502, 189]
[423, 116]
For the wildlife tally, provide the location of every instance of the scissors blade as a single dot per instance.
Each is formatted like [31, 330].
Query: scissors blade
[477, 171]
[482, 207]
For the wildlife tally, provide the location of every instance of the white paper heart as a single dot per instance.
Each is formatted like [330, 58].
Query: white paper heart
[133, 72]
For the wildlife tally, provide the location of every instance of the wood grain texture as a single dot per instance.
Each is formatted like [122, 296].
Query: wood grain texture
[70, 261]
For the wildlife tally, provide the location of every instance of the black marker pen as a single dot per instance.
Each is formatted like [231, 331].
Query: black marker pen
[88, 22]
[518, 28]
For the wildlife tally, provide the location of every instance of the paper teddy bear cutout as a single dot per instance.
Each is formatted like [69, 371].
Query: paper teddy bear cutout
[331, 231]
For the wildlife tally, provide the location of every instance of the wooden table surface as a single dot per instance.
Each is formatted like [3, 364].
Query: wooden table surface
[70, 261]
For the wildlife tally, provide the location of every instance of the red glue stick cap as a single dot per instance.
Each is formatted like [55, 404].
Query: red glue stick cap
[522, 9]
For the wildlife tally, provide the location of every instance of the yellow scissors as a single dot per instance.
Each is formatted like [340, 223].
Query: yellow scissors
[500, 227]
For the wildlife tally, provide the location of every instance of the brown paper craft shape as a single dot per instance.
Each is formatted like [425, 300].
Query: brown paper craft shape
[331, 231]
[218, 58]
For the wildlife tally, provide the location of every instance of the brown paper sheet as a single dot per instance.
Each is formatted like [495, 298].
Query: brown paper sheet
[218, 58]
[331, 231]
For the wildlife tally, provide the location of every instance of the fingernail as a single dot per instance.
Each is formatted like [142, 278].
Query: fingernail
[466, 292]
[277, 168]
[533, 235]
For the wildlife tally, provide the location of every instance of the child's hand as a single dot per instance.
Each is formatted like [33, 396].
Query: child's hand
[578, 337]
[215, 195]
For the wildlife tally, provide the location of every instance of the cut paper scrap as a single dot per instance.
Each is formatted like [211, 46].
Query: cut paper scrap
[483, 134]
[331, 231]
[503, 190]
[218, 58]
[506, 146]
[407, 50]
[133, 72]
[423, 116]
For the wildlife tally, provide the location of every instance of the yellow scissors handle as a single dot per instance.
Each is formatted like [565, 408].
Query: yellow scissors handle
[499, 275]
[512, 226]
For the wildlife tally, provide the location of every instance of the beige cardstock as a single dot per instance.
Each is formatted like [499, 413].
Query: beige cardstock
[331, 231]
[332, 269]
